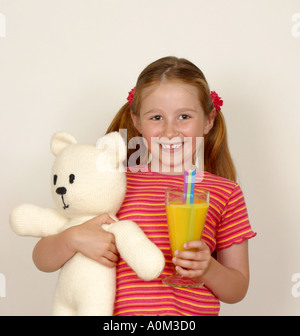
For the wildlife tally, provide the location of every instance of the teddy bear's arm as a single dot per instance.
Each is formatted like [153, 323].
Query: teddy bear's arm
[143, 256]
[32, 220]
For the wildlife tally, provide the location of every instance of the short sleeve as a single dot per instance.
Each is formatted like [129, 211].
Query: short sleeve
[234, 226]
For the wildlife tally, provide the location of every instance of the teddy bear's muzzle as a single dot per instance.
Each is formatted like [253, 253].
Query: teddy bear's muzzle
[62, 191]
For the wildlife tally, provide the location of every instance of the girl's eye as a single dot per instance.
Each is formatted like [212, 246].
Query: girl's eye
[157, 117]
[184, 116]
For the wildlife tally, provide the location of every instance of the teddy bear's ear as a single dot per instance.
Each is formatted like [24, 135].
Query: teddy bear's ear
[60, 140]
[114, 146]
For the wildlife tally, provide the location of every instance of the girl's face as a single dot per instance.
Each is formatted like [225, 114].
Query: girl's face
[170, 121]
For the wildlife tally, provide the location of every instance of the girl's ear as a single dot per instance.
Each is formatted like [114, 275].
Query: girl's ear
[136, 122]
[209, 121]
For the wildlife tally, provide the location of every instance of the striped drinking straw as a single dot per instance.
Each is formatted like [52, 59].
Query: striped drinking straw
[188, 186]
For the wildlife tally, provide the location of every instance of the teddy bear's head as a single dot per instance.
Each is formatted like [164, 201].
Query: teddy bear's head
[88, 180]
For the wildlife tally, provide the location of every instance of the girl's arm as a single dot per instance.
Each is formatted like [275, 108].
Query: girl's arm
[89, 238]
[227, 277]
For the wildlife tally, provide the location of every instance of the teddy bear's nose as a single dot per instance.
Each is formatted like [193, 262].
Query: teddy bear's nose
[61, 190]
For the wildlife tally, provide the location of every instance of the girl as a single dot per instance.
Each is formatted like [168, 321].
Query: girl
[170, 104]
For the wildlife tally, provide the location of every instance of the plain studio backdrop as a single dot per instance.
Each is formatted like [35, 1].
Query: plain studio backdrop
[69, 64]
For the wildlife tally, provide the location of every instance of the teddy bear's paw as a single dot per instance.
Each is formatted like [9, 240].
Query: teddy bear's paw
[32, 220]
[143, 256]
[150, 264]
[20, 218]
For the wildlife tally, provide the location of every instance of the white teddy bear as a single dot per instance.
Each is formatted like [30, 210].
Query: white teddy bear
[88, 181]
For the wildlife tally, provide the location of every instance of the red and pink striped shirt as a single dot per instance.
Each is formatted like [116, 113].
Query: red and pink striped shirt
[226, 224]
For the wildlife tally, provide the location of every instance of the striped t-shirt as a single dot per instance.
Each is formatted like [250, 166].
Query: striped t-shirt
[226, 224]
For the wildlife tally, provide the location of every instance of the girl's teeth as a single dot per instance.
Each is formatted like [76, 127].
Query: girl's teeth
[171, 146]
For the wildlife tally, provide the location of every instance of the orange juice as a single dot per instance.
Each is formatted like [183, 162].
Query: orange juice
[185, 222]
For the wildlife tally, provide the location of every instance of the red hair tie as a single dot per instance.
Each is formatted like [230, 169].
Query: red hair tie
[216, 100]
[130, 96]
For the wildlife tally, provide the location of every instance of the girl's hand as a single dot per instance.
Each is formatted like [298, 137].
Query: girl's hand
[94, 242]
[193, 264]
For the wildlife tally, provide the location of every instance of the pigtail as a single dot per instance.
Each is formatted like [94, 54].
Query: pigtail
[123, 120]
[217, 158]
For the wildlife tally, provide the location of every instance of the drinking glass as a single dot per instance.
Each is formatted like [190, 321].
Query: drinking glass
[185, 222]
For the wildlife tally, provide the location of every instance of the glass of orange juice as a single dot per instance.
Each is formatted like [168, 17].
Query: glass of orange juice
[185, 222]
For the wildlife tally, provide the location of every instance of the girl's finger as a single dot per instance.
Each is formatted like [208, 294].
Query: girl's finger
[188, 255]
[187, 264]
[195, 244]
[188, 273]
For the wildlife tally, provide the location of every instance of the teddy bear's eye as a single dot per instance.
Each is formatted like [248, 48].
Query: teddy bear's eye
[54, 179]
[71, 178]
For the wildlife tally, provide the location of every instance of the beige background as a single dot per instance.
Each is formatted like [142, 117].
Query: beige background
[69, 64]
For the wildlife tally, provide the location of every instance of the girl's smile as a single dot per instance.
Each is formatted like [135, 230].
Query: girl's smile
[171, 148]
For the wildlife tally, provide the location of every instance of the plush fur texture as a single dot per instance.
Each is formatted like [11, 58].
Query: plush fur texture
[88, 181]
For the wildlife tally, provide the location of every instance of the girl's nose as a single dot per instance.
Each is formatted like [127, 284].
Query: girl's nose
[170, 130]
